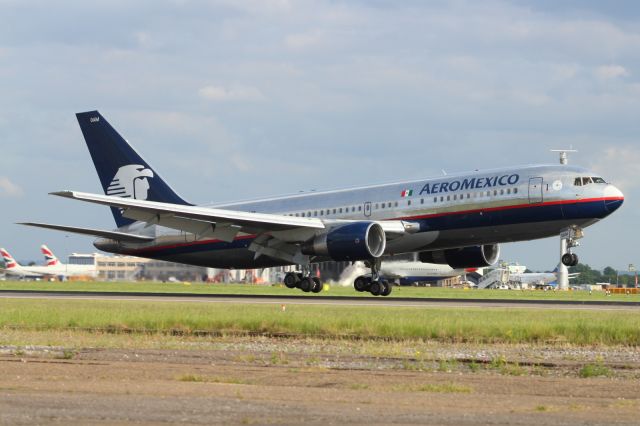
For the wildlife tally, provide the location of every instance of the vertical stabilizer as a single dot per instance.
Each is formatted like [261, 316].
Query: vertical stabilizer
[122, 172]
[9, 262]
[49, 257]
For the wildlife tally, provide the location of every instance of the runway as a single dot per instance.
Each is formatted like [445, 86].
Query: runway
[321, 300]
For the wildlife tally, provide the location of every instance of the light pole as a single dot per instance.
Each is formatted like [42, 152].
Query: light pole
[632, 268]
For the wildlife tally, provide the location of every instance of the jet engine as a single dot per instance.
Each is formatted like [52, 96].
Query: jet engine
[353, 241]
[465, 257]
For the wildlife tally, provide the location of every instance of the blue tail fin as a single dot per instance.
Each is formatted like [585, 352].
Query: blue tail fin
[122, 171]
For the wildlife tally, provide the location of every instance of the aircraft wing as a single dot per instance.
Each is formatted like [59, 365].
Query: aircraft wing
[114, 235]
[202, 221]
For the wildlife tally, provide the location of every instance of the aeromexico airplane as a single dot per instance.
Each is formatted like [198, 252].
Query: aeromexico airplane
[458, 220]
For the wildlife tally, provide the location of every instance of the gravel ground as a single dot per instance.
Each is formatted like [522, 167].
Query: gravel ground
[287, 381]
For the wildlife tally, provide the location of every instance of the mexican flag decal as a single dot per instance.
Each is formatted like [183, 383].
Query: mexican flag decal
[406, 193]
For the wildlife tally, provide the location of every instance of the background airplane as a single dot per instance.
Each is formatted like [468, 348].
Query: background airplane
[53, 267]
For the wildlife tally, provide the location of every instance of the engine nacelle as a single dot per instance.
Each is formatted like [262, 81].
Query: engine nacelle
[353, 241]
[466, 257]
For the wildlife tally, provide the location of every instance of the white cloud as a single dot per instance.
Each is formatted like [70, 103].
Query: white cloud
[8, 188]
[621, 166]
[237, 93]
[303, 40]
[608, 72]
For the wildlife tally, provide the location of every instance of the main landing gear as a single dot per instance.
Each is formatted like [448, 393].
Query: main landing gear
[569, 239]
[304, 281]
[373, 284]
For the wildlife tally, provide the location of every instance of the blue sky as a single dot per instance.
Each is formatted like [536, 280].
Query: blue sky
[237, 99]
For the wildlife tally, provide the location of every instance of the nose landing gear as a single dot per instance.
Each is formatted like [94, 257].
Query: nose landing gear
[569, 239]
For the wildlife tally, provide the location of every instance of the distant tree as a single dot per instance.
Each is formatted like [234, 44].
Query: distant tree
[528, 271]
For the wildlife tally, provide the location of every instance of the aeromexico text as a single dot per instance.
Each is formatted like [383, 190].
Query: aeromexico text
[470, 183]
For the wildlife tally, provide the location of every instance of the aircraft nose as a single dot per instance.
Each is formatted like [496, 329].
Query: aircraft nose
[613, 198]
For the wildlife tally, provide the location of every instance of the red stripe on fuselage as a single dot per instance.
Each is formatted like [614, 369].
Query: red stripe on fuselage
[427, 216]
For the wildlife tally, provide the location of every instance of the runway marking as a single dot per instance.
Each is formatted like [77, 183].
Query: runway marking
[365, 302]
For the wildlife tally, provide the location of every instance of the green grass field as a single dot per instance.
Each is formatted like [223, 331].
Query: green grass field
[486, 325]
[155, 287]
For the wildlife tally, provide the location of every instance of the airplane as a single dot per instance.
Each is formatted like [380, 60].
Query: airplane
[410, 272]
[459, 219]
[539, 278]
[53, 268]
[14, 269]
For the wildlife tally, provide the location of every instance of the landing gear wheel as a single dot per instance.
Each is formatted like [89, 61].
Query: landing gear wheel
[306, 284]
[574, 259]
[376, 288]
[317, 285]
[567, 259]
[360, 283]
[291, 280]
[386, 288]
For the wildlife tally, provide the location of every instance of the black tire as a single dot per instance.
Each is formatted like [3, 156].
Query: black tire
[574, 259]
[360, 283]
[567, 259]
[317, 285]
[291, 280]
[305, 285]
[386, 288]
[375, 288]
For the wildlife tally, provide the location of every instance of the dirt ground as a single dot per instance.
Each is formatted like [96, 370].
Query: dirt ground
[245, 382]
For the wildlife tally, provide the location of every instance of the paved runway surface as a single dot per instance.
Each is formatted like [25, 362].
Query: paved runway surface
[321, 300]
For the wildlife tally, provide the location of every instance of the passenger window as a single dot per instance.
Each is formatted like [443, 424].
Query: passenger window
[441, 198]
[315, 213]
[340, 210]
[515, 190]
[455, 197]
[376, 206]
[382, 205]
[396, 204]
[502, 192]
[422, 200]
[408, 202]
[334, 211]
[359, 208]
[435, 199]
[448, 197]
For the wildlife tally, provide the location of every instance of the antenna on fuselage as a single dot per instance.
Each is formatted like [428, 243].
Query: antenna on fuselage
[564, 158]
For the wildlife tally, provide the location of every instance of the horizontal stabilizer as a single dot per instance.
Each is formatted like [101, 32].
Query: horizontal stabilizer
[113, 235]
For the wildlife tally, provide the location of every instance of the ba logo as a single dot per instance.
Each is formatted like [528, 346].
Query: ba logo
[131, 181]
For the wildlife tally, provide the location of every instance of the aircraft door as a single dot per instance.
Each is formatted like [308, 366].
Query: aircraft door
[367, 208]
[535, 190]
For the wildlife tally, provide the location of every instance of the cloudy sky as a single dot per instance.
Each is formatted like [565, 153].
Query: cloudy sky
[238, 99]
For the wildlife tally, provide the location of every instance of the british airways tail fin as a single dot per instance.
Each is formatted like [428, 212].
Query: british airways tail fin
[122, 171]
[50, 258]
[9, 262]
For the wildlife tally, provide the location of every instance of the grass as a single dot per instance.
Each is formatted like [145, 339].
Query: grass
[335, 290]
[595, 370]
[474, 325]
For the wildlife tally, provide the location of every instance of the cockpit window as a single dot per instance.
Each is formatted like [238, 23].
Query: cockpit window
[581, 181]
